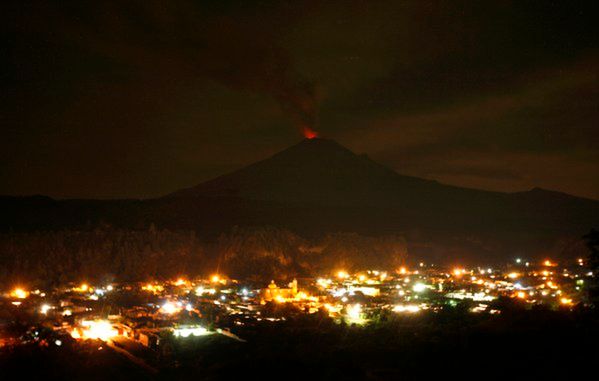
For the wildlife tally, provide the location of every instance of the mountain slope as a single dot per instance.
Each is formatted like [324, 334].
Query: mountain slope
[318, 187]
[320, 171]
[322, 185]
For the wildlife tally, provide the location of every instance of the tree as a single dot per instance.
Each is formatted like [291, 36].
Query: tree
[592, 242]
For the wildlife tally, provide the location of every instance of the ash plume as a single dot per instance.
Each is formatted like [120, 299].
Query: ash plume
[189, 40]
[250, 60]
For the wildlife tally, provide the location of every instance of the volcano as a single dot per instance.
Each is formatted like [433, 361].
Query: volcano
[317, 187]
[313, 172]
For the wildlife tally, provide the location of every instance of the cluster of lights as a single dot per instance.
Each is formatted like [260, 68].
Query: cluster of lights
[95, 329]
[354, 314]
[200, 290]
[84, 287]
[218, 279]
[419, 287]
[342, 274]
[411, 308]
[423, 288]
[190, 331]
[513, 275]
[171, 308]
[45, 308]
[19, 293]
[153, 288]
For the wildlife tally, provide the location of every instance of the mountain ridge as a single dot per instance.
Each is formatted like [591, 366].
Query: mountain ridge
[316, 171]
[317, 187]
[323, 144]
[327, 144]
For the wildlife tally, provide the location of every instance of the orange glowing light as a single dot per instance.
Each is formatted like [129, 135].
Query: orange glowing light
[95, 329]
[309, 133]
[82, 288]
[19, 293]
[565, 301]
[342, 274]
[152, 288]
[302, 296]
[215, 279]
[170, 308]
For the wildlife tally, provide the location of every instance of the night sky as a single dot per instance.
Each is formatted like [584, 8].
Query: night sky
[140, 98]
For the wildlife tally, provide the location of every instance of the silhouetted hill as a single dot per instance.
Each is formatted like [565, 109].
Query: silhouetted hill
[316, 171]
[318, 186]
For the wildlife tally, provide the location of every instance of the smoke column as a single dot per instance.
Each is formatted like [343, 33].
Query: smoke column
[199, 41]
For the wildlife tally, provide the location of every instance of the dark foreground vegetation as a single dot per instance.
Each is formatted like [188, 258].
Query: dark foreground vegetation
[452, 344]
[71, 361]
[105, 253]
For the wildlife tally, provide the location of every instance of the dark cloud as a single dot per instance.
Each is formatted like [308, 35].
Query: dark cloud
[135, 99]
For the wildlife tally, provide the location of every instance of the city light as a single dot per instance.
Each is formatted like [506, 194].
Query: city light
[45, 308]
[342, 275]
[566, 301]
[412, 308]
[190, 331]
[94, 329]
[19, 293]
[84, 287]
[354, 314]
[170, 308]
[153, 288]
[347, 297]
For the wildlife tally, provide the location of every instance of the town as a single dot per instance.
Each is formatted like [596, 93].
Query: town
[134, 317]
